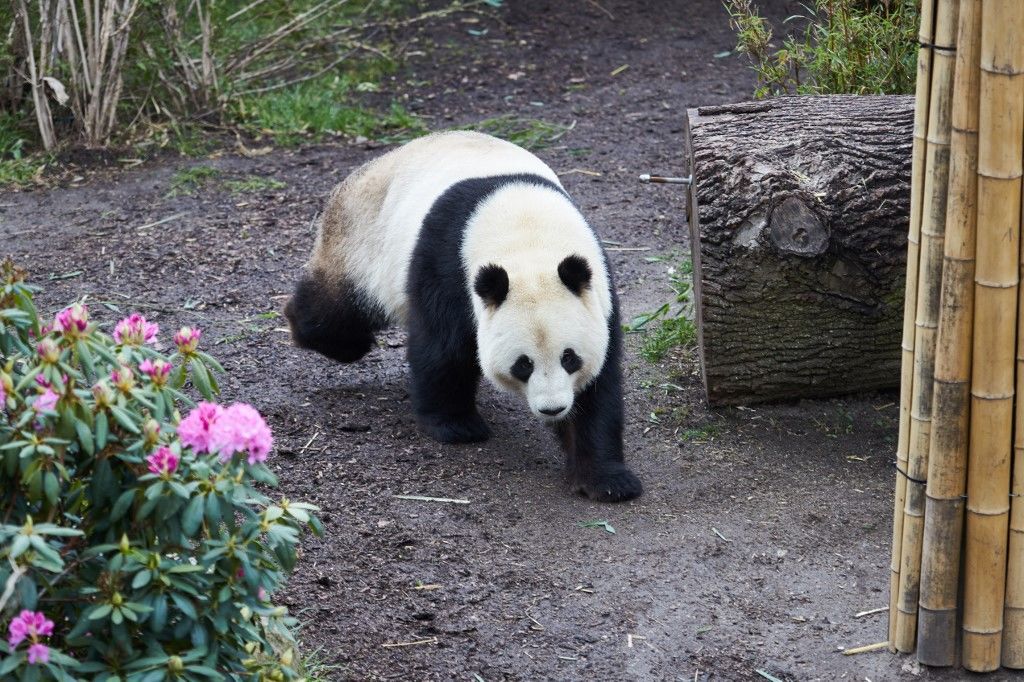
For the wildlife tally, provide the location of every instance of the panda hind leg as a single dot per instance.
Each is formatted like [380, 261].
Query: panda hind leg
[332, 320]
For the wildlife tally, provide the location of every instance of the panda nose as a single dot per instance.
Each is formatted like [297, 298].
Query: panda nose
[553, 411]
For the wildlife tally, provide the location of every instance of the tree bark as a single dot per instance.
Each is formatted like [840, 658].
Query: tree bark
[798, 225]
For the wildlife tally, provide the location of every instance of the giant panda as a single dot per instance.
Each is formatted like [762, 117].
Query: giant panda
[472, 244]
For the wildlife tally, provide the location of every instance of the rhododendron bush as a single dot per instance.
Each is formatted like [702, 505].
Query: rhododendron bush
[134, 544]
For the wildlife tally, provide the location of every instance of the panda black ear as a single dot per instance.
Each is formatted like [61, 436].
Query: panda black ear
[491, 284]
[575, 273]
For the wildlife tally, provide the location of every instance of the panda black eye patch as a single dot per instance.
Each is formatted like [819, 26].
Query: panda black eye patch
[522, 369]
[570, 361]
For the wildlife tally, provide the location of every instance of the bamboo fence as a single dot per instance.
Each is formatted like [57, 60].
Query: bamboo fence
[961, 439]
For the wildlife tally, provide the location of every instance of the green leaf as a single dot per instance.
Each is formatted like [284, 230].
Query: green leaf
[117, 616]
[123, 504]
[51, 488]
[178, 489]
[101, 611]
[141, 579]
[9, 663]
[298, 514]
[122, 417]
[607, 527]
[87, 360]
[193, 516]
[101, 430]
[201, 378]
[85, 438]
[18, 547]
[185, 606]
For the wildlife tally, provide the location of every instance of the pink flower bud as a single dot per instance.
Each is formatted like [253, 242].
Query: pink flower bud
[151, 431]
[72, 321]
[123, 378]
[157, 370]
[48, 350]
[134, 330]
[102, 393]
[163, 462]
[187, 340]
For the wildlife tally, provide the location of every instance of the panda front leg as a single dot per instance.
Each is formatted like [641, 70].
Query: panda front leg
[445, 376]
[592, 436]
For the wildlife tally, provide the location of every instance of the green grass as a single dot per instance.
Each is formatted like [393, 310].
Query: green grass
[531, 133]
[322, 108]
[671, 325]
[253, 183]
[16, 166]
[674, 332]
[188, 180]
[701, 433]
[848, 46]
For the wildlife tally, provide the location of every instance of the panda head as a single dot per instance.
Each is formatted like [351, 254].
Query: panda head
[541, 331]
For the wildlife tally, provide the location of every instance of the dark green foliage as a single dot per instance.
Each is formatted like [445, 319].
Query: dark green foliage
[848, 46]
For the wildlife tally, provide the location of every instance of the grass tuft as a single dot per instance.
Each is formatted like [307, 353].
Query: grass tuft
[671, 325]
[318, 109]
[530, 133]
[188, 180]
[253, 183]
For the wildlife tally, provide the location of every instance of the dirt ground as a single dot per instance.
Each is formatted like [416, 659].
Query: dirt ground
[762, 531]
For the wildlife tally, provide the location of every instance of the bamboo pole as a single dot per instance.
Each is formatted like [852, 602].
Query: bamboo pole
[924, 75]
[929, 286]
[947, 456]
[1000, 146]
[1013, 633]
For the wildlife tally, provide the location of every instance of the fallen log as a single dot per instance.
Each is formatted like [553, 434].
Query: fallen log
[798, 214]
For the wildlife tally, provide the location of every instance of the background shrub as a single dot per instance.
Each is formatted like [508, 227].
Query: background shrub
[134, 544]
[848, 46]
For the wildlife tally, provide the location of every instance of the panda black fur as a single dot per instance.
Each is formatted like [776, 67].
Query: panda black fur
[472, 243]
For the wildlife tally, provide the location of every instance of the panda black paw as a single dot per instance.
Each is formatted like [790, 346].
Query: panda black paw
[469, 428]
[614, 485]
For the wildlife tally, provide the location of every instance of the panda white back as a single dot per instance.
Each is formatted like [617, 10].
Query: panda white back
[388, 198]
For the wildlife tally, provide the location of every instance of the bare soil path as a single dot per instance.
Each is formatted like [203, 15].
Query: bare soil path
[762, 532]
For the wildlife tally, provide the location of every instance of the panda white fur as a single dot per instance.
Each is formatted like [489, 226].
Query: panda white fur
[472, 244]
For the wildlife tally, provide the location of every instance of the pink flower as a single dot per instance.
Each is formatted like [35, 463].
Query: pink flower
[46, 401]
[157, 370]
[187, 340]
[241, 428]
[48, 350]
[39, 653]
[194, 430]
[163, 462]
[28, 625]
[72, 321]
[261, 594]
[135, 331]
[3, 397]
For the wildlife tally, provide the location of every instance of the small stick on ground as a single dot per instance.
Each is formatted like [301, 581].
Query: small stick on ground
[880, 609]
[866, 648]
[418, 642]
[715, 530]
[425, 498]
